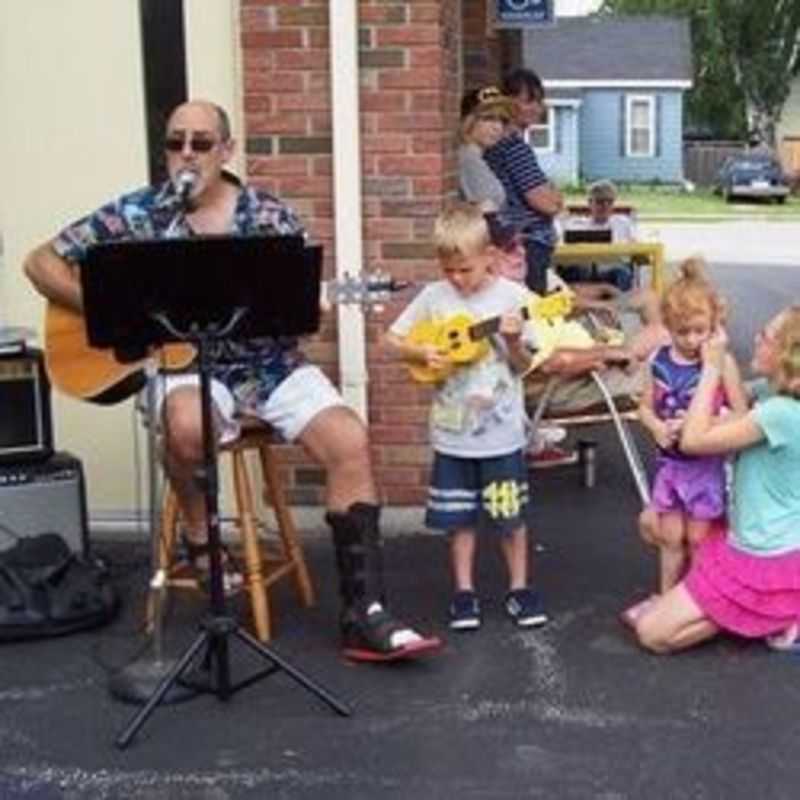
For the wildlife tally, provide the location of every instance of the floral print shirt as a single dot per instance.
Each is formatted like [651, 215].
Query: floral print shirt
[252, 369]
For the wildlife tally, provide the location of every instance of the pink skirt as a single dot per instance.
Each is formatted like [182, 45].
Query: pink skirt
[752, 596]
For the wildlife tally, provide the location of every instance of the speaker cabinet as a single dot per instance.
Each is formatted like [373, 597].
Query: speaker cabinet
[26, 428]
[41, 497]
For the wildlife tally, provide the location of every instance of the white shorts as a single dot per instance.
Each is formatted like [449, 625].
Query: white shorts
[296, 401]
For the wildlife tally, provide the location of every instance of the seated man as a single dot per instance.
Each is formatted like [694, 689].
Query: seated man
[266, 378]
[601, 198]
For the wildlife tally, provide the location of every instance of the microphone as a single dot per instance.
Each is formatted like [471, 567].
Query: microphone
[184, 181]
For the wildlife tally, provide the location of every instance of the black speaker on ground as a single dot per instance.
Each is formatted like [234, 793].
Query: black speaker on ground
[26, 428]
[44, 496]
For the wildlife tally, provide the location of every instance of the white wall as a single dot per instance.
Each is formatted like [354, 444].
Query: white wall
[576, 8]
[73, 123]
[73, 135]
[212, 55]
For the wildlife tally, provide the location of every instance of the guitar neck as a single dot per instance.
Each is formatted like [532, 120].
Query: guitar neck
[486, 327]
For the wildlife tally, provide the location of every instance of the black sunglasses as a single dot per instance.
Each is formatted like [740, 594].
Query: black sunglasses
[174, 144]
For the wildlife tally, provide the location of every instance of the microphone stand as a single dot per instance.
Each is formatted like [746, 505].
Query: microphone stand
[218, 626]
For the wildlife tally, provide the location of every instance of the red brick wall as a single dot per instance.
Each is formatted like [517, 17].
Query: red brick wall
[410, 75]
[481, 50]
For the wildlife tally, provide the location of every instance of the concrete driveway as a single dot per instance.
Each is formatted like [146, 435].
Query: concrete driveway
[745, 241]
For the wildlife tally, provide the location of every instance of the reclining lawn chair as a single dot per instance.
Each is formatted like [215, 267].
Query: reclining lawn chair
[618, 409]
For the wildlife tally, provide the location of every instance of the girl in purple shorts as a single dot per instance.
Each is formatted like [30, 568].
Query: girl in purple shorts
[688, 491]
[745, 577]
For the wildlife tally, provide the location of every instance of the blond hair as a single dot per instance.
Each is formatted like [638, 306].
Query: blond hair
[692, 294]
[479, 102]
[786, 379]
[460, 230]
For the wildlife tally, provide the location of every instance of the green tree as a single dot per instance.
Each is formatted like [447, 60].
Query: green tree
[745, 56]
[762, 43]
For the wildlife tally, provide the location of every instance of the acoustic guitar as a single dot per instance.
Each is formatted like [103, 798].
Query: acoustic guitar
[463, 340]
[94, 374]
[101, 375]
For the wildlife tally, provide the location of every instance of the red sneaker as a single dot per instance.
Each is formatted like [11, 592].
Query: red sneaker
[374, 635]
[552, 456]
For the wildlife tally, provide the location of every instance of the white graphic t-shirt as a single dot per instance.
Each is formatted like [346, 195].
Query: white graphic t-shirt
[478, 411]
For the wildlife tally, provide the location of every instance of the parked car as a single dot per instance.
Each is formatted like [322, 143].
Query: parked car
[752, 175]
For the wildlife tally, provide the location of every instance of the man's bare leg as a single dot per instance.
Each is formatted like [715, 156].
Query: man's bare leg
[183, 457]
[337, 440]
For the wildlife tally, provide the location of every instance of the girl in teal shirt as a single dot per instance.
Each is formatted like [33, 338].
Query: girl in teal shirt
[744, 580]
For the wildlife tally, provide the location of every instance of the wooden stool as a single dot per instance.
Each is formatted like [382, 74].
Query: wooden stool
[264, 562]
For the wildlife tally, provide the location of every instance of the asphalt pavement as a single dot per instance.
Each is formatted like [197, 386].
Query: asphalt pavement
[572, 710]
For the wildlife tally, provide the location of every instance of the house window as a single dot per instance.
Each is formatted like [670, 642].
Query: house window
[640, 128]
[542, 138]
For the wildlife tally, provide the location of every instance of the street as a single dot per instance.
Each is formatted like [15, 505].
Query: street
[755, 264]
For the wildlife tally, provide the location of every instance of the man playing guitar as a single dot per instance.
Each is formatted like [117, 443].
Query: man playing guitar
[269, 378]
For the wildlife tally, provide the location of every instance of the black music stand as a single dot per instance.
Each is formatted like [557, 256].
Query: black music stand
[204, 291]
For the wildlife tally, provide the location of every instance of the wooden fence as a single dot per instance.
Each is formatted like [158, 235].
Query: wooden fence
[790, 158]
[702, 160]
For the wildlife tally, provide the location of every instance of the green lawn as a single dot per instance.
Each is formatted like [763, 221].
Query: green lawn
[668, 202]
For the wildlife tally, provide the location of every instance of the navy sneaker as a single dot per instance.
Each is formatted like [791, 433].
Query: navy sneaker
[465, 612]
[524, 606]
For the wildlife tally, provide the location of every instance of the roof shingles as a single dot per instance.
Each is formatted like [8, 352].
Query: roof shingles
[611, 48]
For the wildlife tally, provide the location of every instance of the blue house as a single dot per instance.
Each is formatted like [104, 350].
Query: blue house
[615, 90]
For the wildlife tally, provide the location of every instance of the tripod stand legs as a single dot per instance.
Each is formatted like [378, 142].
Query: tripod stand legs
[293, 672]
[124, 739]
[219, 625]
[215, 635]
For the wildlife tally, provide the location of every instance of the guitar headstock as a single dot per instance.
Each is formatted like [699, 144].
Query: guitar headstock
[371, 291]
[551, 306]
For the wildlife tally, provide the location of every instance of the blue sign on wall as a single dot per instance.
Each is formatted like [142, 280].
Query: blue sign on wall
[523, 13]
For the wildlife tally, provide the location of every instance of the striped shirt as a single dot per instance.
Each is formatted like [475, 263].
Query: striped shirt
[515, 164]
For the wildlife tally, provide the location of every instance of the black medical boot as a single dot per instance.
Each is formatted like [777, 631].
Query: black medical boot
[369, 633]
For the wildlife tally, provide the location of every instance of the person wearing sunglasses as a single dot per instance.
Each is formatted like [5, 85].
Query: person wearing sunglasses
[265, 378]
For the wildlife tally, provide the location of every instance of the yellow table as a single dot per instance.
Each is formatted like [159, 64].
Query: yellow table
[639, 253]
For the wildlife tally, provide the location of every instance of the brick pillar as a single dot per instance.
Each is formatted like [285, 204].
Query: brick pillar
[411, 54]
[481, 45]
[410, 76]
[487, 52]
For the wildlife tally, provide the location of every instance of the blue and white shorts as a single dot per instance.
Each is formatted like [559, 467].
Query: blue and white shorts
[485, 493]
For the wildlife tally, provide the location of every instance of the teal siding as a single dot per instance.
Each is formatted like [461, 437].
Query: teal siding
[602, 133]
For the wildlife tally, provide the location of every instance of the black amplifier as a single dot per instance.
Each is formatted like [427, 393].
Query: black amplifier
[44, 497]
[26, 428]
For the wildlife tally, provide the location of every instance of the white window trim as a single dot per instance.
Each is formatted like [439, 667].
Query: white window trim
[650, 100]
[550, 126]
[584, 83]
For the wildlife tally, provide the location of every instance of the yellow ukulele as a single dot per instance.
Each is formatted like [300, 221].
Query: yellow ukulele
[462, 340]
